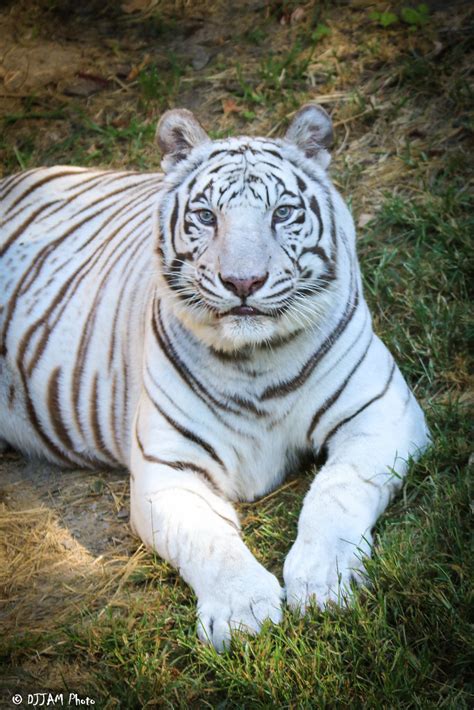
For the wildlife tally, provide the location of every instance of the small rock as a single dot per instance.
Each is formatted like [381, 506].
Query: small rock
[200, 58]
[82, 87]
[364, 219]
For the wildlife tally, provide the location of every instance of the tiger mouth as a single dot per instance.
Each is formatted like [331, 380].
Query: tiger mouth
[248, 311]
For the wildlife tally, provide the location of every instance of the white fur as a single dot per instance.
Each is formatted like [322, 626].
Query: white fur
[89, 367]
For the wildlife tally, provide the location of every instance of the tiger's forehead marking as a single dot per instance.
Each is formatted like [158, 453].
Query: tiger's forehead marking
[245, 174]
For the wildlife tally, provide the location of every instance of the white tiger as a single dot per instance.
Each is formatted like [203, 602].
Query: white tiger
[205, 328]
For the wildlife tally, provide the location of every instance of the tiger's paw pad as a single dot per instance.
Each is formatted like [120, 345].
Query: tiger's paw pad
[243, 609]
[315, 577]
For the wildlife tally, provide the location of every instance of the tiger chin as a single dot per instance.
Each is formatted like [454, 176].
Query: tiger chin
[203, 326]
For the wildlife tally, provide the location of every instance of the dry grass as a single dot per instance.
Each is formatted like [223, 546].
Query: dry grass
[71, 551]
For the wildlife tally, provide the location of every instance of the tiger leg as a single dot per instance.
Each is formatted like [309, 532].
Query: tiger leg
[367, 459]
[177, 514]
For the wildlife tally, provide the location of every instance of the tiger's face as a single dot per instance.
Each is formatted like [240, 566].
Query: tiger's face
[246, 233]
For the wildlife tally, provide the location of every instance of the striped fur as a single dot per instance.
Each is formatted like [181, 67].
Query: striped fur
[206, 328]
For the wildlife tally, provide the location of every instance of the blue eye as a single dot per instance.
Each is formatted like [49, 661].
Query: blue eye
[206, 217]
[282, 213]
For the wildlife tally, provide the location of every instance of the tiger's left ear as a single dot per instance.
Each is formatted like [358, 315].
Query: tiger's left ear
[311, 131]
[177, 133]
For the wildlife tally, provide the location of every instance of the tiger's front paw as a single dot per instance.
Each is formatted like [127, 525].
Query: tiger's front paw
[320, 571]
[241, 603]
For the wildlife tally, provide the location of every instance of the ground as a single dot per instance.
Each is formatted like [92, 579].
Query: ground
[85, 608]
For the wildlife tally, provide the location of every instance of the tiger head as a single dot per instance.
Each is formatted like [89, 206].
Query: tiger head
[246, 230]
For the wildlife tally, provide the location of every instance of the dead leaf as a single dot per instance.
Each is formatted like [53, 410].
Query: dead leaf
[14, 80]
[230, 106]
[135, 70]
[297, 15]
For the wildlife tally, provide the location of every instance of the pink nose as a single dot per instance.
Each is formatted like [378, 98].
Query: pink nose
[243, 287]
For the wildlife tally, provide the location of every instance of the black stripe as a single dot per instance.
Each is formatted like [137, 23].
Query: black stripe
[301, 183]
[334, 232]
[169, 351]
[281, 280]
[19, 230]
[280, 340]
[59, 299]
[54, 410]
[195, 385]
[187, 433]
[136, 201]
[32, 188]
[88, 330]
[140, 237]
[278, 293]
[36, 267]
[95, 421]
[314, 207]
[101, 198]
[361, 409]
[113, 420]
[221, 151]
[304, 169]
[288, 386]
[335, 396]
[177, 465]
[97, 176]
[63, 457]
[317, 251]
[8, 184]
[270, 151]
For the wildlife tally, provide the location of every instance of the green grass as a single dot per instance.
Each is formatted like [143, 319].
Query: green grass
[405, 643]
[161, 86]
[407, 640]
[280, 75]
[89, 143]
[419, 280]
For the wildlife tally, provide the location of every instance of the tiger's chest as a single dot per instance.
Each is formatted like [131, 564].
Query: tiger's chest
[228, 417]
[247, 450]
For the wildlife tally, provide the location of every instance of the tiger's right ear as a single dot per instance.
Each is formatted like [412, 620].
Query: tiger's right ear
[177, 133]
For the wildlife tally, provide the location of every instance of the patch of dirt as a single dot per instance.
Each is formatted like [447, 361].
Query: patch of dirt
[64, 541]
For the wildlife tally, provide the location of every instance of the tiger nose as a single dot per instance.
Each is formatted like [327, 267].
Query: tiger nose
[243, 287]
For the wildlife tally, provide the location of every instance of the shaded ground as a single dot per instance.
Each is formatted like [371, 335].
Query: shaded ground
[85, 83]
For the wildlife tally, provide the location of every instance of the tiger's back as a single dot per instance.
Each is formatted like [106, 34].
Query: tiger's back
[75, 254]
